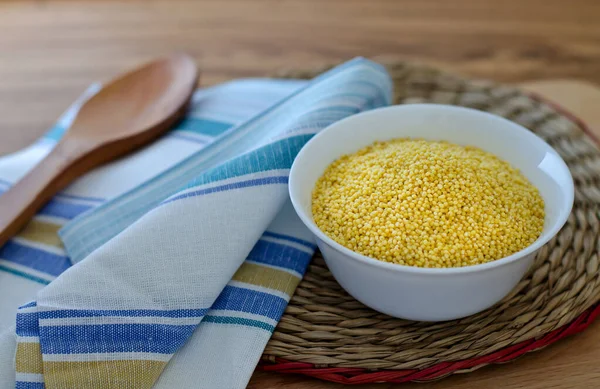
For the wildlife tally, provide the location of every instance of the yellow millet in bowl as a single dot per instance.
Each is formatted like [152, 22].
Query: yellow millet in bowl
[427, 204]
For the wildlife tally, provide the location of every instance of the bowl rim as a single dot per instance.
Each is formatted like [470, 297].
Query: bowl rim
[532, 248]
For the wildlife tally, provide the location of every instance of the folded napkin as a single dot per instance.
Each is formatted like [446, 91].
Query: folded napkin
[179, 260]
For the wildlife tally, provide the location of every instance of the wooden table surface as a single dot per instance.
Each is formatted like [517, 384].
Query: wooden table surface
[50, 51]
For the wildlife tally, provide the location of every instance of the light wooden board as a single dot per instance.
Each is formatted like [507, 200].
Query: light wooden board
[570, 364]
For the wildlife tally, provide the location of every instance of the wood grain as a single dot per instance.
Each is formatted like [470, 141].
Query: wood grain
[50, 51]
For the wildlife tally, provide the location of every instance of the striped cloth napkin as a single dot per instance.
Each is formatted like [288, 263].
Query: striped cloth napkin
[174, 264]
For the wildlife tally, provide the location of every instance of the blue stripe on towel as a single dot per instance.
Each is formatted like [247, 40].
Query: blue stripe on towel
[33, 258]
[203, 126]
[235, 185]
[114, 338]
[55, 133]
[29, 385]
[276, 254]
[175, 313]
[273, 156]
[63, 209]
[27, 324]
[233, 298]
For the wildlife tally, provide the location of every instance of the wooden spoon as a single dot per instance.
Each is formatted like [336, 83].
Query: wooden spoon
[124, 115]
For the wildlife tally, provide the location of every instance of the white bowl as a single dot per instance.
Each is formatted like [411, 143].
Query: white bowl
[425, 293]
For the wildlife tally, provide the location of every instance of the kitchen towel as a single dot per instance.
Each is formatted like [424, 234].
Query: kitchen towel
[179, 260]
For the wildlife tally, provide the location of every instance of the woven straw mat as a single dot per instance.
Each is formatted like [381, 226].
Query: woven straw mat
[326, 327]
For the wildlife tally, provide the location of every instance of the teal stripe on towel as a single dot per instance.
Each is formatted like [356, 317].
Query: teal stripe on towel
[203, 126]
[239, 321]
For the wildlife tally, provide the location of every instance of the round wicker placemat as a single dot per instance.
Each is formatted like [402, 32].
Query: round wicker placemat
[328, 334]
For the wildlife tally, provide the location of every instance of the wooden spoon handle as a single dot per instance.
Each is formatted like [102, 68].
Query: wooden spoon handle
[20, 203]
